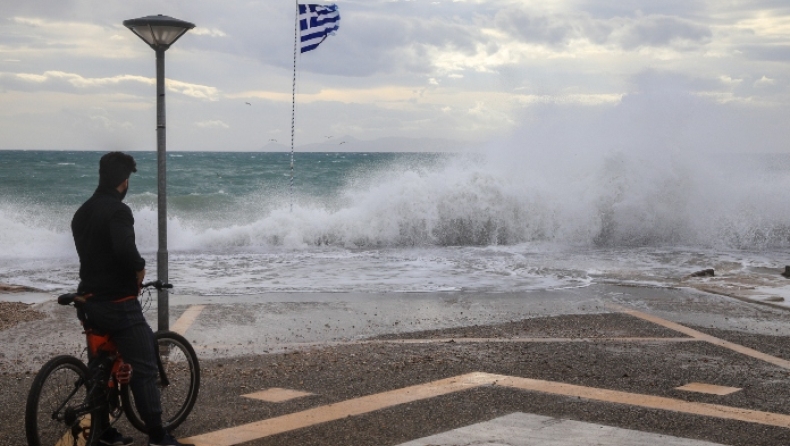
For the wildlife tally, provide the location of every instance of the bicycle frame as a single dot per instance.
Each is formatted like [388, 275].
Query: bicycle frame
[100, 344]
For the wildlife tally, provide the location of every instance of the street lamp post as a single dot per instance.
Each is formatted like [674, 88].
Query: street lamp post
[159, 32]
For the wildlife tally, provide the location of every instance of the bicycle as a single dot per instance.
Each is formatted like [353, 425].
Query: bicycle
[68, 399]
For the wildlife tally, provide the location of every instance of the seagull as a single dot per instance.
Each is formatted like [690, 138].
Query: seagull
[327, 137]
[248, 103]
[342, 142]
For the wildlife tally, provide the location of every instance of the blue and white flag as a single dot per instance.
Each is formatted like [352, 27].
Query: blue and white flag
[316, 22]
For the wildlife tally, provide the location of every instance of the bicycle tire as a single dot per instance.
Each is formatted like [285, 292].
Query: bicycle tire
[60, 386]
[183, 372]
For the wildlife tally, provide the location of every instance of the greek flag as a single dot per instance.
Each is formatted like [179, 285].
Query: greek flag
[316, 22]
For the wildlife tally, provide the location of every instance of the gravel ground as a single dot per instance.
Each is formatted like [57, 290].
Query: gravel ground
[12, 313]
[339, 373]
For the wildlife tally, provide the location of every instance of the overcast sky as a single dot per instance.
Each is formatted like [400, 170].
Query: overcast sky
[664, 74]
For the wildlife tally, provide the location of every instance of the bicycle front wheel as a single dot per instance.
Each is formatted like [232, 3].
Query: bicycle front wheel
[57, 410]
[179, 387]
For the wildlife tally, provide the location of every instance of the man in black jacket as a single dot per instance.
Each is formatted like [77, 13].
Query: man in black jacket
[111, 271]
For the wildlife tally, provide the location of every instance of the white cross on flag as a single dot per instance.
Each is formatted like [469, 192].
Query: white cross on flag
[316, 22]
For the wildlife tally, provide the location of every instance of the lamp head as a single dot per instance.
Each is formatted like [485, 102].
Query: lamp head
[158, 31]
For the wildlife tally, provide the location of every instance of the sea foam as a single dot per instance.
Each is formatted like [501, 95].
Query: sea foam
[615, 200]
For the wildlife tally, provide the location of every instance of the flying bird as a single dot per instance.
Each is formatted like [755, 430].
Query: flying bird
[248, 103]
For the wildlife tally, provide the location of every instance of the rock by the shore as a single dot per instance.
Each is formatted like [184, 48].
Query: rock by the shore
[703, 273]
[14, 288]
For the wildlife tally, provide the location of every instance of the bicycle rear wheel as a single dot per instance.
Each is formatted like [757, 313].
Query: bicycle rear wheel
[182, 371]
[57, 410]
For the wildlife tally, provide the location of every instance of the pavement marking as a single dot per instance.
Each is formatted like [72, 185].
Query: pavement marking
[68, 437]
[370, 403]
[304, 345]
[708, 388]
[518, 340]
[277, 395]
[523, 429]
[646, 401]
[187, 319]
[337, 411]
[708, 338]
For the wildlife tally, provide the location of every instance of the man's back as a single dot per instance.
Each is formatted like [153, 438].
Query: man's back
[103, 230]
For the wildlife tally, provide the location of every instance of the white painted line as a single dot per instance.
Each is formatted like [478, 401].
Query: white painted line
[367, 404]
[708, 388]
[187, 319]
[520, 429]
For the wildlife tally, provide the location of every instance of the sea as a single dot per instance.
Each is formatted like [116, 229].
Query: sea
[496, 220]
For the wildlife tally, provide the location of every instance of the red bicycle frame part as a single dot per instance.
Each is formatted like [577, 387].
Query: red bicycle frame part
[101, 343]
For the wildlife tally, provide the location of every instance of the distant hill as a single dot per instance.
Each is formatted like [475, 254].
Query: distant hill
[391, 144]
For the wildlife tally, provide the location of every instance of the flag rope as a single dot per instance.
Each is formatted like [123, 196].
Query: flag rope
[318, 21]
[293, 101]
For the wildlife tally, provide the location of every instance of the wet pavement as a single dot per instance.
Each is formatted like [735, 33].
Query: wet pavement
[551, 367]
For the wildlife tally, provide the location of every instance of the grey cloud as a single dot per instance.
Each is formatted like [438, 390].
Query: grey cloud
[382, 43]
[38, 8]
[534, 28]
[772, 90]
[368, 121]
[370, 44]
[459, 36]
[74, 83]
[10, 82]
[75, 129]
[374, 45]
[68, 83]
[660, 85]
[667, 82]
[364, 46]
[771, 53]
[605, 9]
[625, 32]
[661, 113]
[374, 38]
[658, 31]
[653, 123]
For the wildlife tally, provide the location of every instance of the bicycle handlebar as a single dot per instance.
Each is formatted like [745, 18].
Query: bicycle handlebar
[69, 298]
[157, 284]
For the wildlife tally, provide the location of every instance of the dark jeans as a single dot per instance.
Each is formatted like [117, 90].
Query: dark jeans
[135, 340]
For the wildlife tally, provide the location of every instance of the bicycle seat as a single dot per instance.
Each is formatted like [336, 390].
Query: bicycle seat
[67, 299]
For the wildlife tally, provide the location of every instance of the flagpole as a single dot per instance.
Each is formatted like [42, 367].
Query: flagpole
[293, 101]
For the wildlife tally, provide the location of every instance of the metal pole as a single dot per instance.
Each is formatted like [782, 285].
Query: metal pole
[293, 105]
[161, 163]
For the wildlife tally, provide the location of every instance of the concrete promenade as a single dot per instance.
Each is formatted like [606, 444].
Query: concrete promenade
[597, 365]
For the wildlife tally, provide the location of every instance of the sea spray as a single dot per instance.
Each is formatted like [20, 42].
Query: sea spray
[505, 196]
[515, 217]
